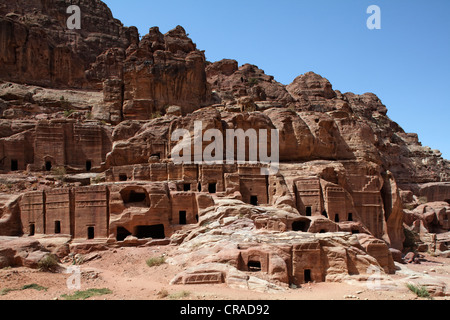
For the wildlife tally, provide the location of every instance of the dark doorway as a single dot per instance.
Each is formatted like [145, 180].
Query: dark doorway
[88, 165]
[336, 218]
[307, 276]
[57, 227]
[187, 187]
[48, 165]
[123, 177]
[90, 233]
[182, 217]
[196, 217]
[32, 229]
[350, 217]
[308, 211]
[448, 201]
[135, 197]
[156, 155]
[212, 187]
[254, 200]
[325, 214]
[122, 233]
[254, 266]
[199, 187]
[300, 226]
[155, 232]
[322, 231]
[14, 165]
[355, 231]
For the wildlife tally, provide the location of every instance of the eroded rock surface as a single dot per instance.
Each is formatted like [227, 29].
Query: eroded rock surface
[86, 155]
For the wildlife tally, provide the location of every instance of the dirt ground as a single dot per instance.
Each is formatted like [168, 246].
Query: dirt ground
[124, 271]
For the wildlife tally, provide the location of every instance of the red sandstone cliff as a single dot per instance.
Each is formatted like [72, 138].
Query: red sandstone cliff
[37, 48]
[342, 158]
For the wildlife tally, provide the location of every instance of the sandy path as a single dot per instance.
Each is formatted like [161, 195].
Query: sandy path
[124, 271]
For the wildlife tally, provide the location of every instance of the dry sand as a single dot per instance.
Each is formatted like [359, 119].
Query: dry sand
[124, 271]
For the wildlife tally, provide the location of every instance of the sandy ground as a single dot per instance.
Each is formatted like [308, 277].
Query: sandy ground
[124, 271]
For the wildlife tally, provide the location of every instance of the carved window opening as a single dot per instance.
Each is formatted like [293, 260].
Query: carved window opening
[154, 232]
[254, 266]
[187, 187]
[300, 226]
[122, 233]
[135, 197]
[123, 177]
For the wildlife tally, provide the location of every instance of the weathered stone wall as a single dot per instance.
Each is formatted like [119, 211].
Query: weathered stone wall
[91, 211]
[54, 144]
[184, 208]
[32, 208]
[16, 151]
[308, 195]
[58, 211]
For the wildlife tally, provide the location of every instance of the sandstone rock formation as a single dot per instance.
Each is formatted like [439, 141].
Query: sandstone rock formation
[21, 252]
[86, 124]
[39, 49]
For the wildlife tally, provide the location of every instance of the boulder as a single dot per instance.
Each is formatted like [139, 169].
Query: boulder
[21, 252]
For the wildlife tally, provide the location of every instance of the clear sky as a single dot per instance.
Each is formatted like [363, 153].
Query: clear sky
[406, 63]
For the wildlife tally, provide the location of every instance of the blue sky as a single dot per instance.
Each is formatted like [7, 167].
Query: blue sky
[406, 63]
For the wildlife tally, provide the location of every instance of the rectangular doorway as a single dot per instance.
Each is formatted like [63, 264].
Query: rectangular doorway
[182, 217]
[91, 233]
[307, 276]
[212, 187]
[32, 229]
[57, 227]
[14, 165]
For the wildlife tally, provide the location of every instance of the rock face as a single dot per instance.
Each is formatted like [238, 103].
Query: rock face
[57, 143]
[10, 216]
[285, 257]
[95, 162]
[163, 70]
[18, 252]
[147, 78]
[37, 47]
